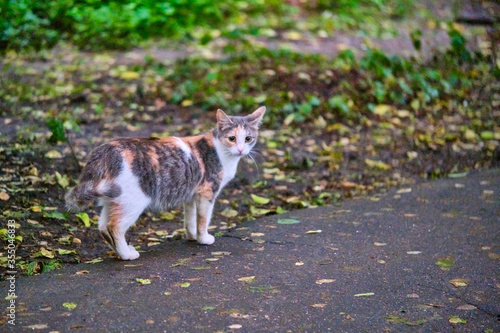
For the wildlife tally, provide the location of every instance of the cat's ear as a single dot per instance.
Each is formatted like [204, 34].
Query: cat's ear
[223, 120]
[255, 118]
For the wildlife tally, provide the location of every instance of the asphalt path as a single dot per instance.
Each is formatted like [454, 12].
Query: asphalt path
[422, 258]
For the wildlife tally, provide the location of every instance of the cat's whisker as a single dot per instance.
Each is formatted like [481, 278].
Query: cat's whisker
[250, 157]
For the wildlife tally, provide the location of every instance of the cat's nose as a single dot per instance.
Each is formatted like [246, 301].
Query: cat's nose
[240, 150]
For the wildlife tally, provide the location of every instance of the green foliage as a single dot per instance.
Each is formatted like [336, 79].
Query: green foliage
[91, 24]
[113, 24]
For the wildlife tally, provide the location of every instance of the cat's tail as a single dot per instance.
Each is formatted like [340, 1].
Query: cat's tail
[87, 192]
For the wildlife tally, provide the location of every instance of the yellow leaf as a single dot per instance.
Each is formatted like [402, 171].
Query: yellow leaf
[319, 305]
[53, 154]
[247, 279]
[313, 232]
[458, 283]
[364, 294]
[129, 75]
[382, 109]
[143, 281]
[69, 305]
[292, 35]
[322, 281]
[186, 103]
[377, 164]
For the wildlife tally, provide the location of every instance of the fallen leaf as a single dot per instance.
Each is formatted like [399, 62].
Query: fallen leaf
[82, 272]
[379, 244]
[220, 253]
[4, 196]
[382, 109]
[323, 281]
[65, 252]
[94, 261]
[228, 212]
[292, 35]
[319, 305]
[69, 305]
[313, 232]
[53, 154]
[299, 263]
[185, 284]
[54, 215]
[364, 294]
[288, 221]
[457, 320]
[235, 326]
[401, 320]
[37, 326]
[62, 180]
[129, 75]
[85, 219]
[247, 279]
[404, 190]
[43, 252]
[413, 252]
[143, 281]
[445, 263]
[186, 103]
[259, 200]
[377, 164]
[467, 307]
[458, 283]
[258, 211]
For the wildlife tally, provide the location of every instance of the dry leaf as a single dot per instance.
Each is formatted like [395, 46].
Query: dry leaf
[322, 281]
[4, 196]
[247, 279]
[458, 283]
[319, 305]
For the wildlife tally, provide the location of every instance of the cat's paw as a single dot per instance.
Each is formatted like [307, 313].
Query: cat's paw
[206, 239]
[190, 237]
[131, 254]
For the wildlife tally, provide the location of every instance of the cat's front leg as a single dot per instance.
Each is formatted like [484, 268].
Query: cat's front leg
[190, 219]
[204, 208]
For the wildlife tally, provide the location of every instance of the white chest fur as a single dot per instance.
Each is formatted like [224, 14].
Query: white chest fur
[229, 162]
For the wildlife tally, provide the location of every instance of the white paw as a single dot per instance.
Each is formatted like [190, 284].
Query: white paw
[190, 236]
[131, 254]
[206, 239]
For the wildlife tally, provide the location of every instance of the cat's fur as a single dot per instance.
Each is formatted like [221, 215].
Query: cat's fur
[131, 174]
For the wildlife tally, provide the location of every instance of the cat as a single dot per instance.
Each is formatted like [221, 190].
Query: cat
[129, 175]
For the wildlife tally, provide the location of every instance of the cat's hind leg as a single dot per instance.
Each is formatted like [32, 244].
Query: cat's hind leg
[190, 219]
[121, 218]
[103, 225]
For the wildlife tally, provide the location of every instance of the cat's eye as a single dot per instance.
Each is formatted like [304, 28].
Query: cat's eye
[232, 139]
[248, 139]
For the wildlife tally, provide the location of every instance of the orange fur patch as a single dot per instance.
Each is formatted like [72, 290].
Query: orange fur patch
[115, 215]
[128, 156]
[205, 190]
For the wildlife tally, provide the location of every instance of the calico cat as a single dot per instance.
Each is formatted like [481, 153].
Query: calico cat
[131, 174]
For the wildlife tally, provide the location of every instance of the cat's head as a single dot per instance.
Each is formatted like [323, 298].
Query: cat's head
[239, 134]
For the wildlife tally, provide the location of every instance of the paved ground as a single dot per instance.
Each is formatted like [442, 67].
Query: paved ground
[372, 268]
